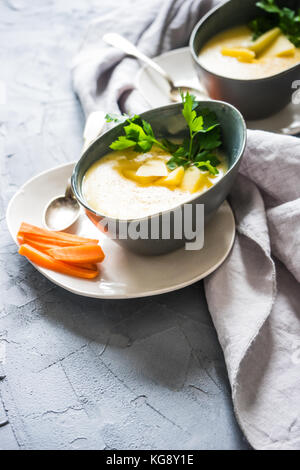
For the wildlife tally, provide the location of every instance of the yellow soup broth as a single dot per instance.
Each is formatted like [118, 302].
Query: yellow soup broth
[112, 185]
[265, 64]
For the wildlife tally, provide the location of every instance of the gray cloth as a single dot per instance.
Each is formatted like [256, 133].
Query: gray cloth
[254, 296]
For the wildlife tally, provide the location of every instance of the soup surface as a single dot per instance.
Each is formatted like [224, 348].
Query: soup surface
[267, 63]
[113, 186]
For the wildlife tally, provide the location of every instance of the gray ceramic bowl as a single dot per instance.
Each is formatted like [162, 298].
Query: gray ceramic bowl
[168, 121]
[256, 99]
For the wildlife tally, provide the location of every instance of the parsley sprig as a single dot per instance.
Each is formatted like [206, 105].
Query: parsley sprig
[286, 19]
[138, 135]
[198, 148]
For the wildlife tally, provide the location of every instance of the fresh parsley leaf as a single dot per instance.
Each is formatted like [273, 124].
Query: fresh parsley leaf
[210, 119]
[170, 146]
[147, 128]
[207, 156]
[197, 124]
[143, 146]
[207, 166]
[122, 143]
[134, 132]
[213, 159]
[181, 152]
[118, 118]
[197, 121]
[209, 140]
[269, 6]
[172, 164]
[188, 111]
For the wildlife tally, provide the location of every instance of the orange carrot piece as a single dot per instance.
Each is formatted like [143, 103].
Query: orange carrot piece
[49, 241]
[46, 261]
[44, 247]
[20, 239]
[78, 254]
[90, 266]
[28, 229]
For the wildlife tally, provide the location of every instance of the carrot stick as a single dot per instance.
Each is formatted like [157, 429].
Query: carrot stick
[46, 261]
[49, 241]
[28, 229]
[20, 239]
[44, 247]
[90, 266]
[78, 254]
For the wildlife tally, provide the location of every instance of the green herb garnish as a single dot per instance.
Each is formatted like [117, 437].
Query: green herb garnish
[117, 118]
[286, 19]
[138, 135]
[204, 137]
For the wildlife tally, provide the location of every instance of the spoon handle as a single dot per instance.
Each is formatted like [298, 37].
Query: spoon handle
[69, 191]
[124, 45]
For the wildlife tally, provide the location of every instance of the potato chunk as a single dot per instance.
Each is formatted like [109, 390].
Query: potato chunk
[193, 179]
[264, 41]
[174, 178]
[131, 174]
[282, 47]
[153, 168]
[240, 53]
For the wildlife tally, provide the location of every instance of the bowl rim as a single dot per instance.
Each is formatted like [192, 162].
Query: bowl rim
[83, 203]
[240, 80]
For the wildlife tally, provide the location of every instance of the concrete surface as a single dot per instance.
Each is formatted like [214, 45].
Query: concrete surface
[77, 373]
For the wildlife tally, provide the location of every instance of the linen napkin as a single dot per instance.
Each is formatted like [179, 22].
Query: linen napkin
[254, 297]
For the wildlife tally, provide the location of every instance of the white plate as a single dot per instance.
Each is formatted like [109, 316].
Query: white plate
[122, 274]
[179, 65]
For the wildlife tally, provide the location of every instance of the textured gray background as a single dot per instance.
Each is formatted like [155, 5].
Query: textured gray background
[83, 373]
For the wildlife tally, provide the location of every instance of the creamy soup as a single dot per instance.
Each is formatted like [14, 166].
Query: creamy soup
[127, 185]
[277, 56]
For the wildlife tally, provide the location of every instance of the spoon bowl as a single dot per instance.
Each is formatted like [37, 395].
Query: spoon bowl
[62, 211]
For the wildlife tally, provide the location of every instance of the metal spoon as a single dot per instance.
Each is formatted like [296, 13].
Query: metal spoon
[124, 45]
[62, 211]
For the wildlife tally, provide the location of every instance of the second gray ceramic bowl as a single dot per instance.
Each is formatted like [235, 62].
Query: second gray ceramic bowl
[168, 121]
[256, 99]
